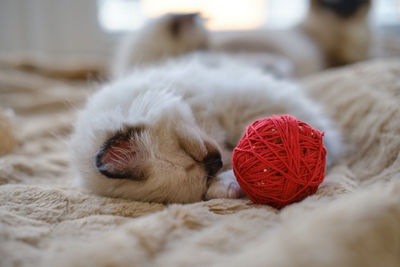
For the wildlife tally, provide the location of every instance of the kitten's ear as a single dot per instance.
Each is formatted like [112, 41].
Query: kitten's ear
[181, 22]
[120, 156]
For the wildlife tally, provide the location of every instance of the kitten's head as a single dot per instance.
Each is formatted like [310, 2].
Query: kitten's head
[178, 33]
[341, 30]
[342, 8]
[164, 157]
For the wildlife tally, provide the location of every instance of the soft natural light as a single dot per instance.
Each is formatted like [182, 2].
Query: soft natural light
[123, 15]
[221, 14]
[285, 14]
[386, 12]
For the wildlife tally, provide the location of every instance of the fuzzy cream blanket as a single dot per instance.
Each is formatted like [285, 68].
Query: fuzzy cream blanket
[352, 220]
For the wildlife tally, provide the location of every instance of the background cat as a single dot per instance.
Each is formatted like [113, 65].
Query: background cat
[334, 33]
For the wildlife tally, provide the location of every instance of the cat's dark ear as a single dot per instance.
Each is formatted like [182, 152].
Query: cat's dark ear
[181, 22]
[343, 8]
[120, 156]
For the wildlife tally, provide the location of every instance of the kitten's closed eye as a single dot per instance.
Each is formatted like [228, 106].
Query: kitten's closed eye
[192, 142]
[120, 155]
[212, 163]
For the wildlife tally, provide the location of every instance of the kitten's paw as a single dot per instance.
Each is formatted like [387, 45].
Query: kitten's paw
[224, 186]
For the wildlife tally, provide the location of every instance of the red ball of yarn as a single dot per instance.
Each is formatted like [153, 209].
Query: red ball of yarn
[279, 160]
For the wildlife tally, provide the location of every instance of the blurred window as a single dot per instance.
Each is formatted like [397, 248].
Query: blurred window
[120, 15]
[124, 15]
[386, 12]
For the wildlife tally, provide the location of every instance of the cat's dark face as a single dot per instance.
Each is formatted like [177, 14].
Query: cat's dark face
[185, 28]
[343, 8]
[179, 23]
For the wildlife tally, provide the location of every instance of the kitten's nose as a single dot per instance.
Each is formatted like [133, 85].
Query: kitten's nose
[212, 163]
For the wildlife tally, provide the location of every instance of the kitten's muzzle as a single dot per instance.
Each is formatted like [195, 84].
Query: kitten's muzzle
[212, 163]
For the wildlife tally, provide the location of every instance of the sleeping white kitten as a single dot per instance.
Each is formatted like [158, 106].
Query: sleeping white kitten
[165, 133]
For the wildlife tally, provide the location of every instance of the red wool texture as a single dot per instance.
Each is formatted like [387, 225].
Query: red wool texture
[279, 160]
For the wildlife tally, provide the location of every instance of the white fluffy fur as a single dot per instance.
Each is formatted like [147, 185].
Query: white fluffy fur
[185, 106]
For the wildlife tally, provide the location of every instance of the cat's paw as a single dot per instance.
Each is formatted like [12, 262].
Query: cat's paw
[224, 186]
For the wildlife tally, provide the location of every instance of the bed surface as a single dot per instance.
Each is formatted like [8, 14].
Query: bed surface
[352, 220]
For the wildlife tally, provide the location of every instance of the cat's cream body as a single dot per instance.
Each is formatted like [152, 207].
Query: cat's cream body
[156, 42]
[180, 115]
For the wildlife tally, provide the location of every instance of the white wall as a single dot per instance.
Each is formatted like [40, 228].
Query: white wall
[66, 30]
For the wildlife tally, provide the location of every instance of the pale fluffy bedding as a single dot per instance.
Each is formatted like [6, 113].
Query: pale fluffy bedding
[352, 220]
